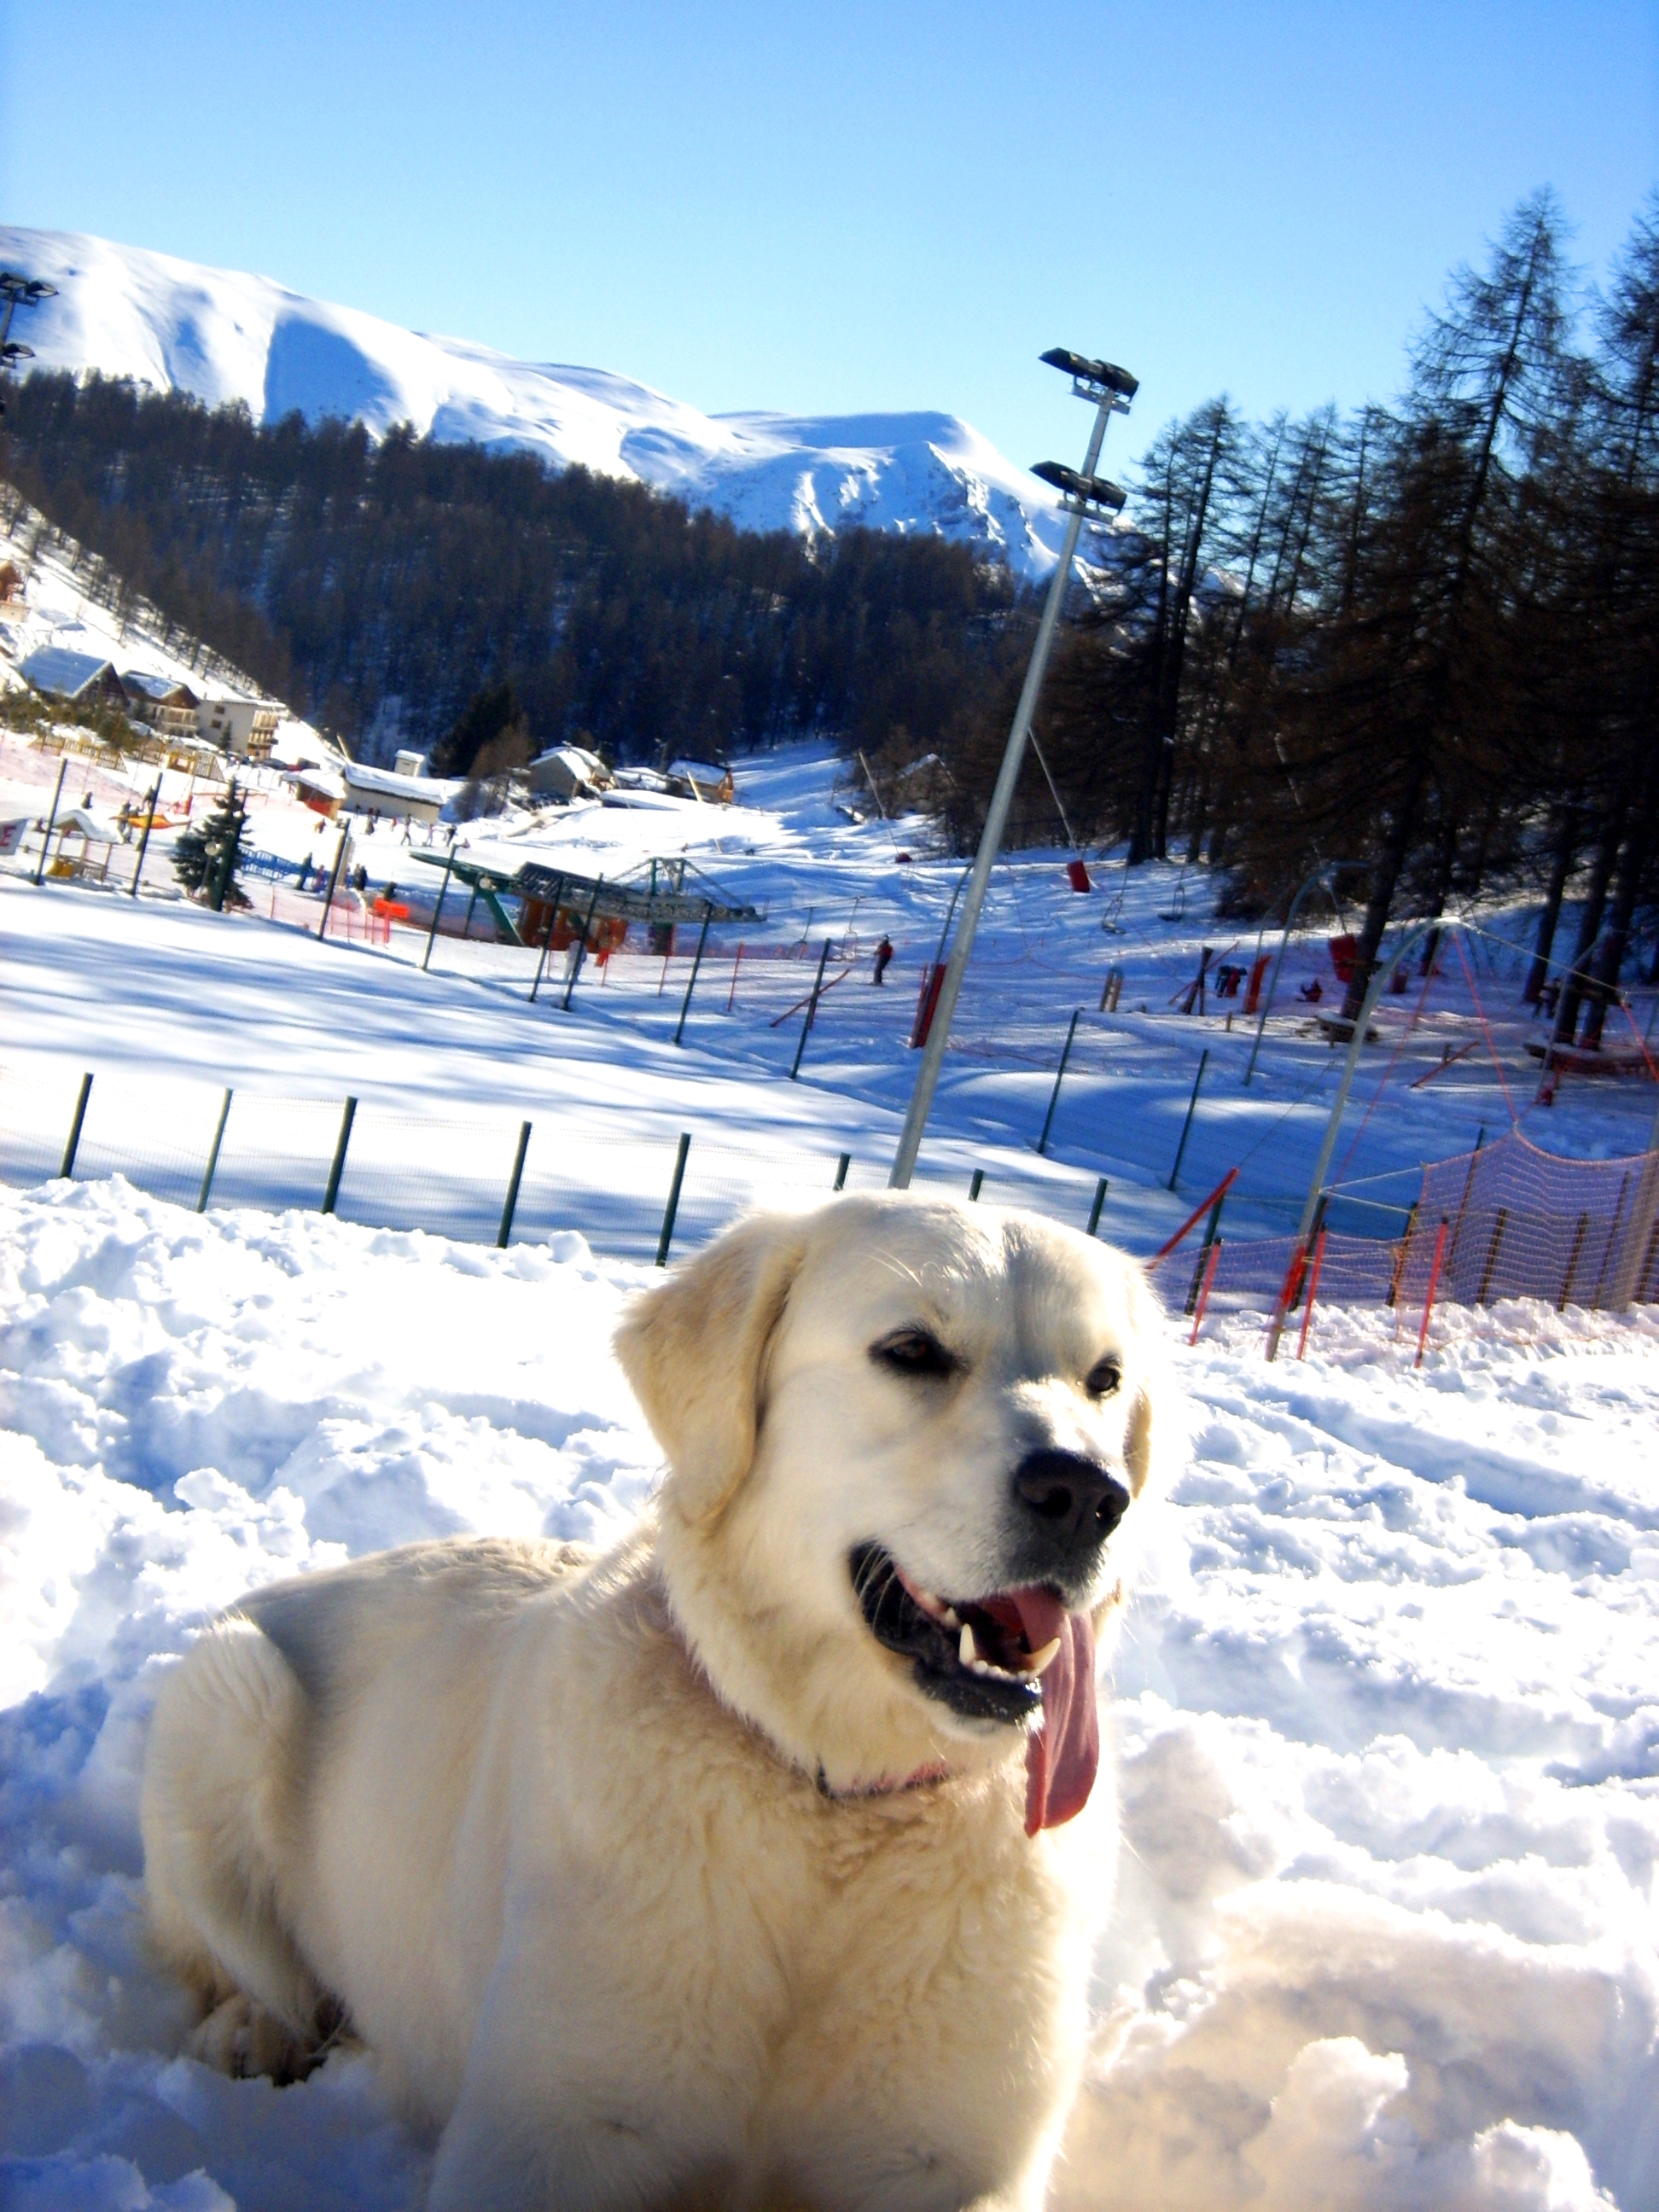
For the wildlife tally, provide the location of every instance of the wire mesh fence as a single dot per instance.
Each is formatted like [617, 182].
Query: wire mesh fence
[1505, 1221]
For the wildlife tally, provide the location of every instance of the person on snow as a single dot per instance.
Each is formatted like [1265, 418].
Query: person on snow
[884, 955]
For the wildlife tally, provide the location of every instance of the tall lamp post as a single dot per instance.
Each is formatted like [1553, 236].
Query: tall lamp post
[18, 291]
[1110, 390]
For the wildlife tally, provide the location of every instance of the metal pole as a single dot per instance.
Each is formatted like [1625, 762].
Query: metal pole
[1192, 1108]
[673, 1206]
[691, 981]
[46, 842]
[438, 907]
[73, 1144]
[1059, 1076]
[212, 1168]
[144, 841]
[996, 820]
[1094, 1211]
[975, 1184]
[582, 947]
[334, 881]
[843, 1162]
[338, 1168]
[812, 1011]
[512, 1206]
[547, 941]
[1378, 984]
[1319, 876]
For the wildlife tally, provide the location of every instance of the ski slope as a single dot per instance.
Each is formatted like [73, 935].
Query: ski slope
[1387, 1730]
[225, 336]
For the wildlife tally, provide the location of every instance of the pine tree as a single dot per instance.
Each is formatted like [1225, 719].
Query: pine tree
[205, 856]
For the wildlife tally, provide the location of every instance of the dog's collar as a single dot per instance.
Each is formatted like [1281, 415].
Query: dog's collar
[888, 1786]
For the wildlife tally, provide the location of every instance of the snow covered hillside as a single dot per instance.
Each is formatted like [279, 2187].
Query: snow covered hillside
[225, 336]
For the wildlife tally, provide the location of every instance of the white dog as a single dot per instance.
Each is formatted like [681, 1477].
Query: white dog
[756, 1863]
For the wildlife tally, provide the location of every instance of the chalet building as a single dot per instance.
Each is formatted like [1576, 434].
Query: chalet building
[80, 678]
[568, 772]
[709, 780]
[243, 727]
[169, 709]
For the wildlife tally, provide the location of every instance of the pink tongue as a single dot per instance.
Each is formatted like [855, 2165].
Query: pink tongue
[1062, 1757]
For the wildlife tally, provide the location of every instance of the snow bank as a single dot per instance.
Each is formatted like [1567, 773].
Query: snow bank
[1386, 1717]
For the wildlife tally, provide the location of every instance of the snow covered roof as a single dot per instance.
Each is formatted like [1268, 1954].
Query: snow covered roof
[62, 673]
[156, 687]
[385, 784]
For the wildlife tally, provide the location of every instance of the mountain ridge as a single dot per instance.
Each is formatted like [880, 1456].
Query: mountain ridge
[226, 335]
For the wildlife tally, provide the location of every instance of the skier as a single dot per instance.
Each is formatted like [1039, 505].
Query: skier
[884, 955]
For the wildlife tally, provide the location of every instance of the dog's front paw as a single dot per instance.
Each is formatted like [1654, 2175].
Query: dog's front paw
[241, 2038]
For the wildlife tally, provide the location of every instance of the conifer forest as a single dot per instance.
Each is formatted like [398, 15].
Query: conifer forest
[1416, 644]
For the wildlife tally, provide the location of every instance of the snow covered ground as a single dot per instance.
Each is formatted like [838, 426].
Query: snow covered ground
[1388, 1718]
[1388, 1726]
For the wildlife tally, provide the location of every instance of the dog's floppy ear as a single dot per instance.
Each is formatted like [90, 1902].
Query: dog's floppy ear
[1152, 1438]
[694, 1350]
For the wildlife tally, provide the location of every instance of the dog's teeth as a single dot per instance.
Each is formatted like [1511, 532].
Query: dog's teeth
[968, 1650]
[951, 1617]
[1039, 1660]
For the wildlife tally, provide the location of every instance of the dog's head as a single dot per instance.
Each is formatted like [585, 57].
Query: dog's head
[902, 1435]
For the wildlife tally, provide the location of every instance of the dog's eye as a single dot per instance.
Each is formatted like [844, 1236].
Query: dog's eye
[914, 1351]
[1105, 1376]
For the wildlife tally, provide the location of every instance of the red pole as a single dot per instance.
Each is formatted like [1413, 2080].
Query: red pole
[1287, 1291]
[733, 992]
[1197, 1213]
[1428, 1301]
[1204, 1293]
[1313, 1292]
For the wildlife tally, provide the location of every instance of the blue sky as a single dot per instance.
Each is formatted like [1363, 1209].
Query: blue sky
[848, 206]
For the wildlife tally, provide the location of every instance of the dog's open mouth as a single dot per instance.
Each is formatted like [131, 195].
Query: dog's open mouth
[1006, 1657]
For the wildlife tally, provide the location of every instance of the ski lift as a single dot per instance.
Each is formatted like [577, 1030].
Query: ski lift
[1177, 908]
[1112, 919]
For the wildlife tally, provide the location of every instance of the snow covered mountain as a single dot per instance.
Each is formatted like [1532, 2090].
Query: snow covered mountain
[225, 336]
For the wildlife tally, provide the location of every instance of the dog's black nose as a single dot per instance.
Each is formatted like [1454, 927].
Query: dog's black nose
[1075, 1504]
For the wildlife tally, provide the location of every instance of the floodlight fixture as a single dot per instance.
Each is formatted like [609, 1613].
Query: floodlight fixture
[12, 350]
[25, 290]
[1087, 491]
[1094, 379]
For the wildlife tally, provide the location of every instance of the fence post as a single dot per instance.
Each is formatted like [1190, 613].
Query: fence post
[1094, 1211]
[673, 1205]
[143, 840]
[1493, 1249]
[338, 1168]
[212, 1167]
[1192, 1107]
[1204, 1293]
[46, 842]
[1565, 1298]
[691, 979]
[976, 1183]
[510, 1206]
[1210, 1229]
[842, 1165]
[1313, 1292]
[811, 1010]
[1428, 1296]
[732, 994]
[73, 1144]
[581, 944]
[437, 905]
[334, 885]
[1059, 1076]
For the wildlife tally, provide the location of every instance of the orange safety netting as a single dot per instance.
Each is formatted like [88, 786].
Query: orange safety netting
[1520, 1223]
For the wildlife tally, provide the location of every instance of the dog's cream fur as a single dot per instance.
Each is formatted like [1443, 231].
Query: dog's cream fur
[617, 1863]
